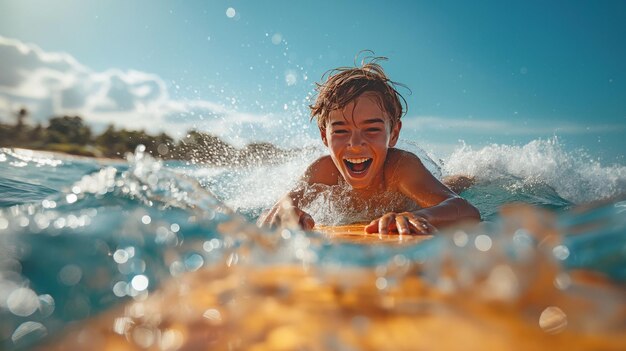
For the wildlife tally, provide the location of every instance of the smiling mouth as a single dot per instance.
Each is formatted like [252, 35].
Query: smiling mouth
[358, 165]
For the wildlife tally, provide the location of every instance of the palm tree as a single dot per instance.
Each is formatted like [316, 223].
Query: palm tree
[21, 115]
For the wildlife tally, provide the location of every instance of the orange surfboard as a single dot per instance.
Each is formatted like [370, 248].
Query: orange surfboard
[356, 233]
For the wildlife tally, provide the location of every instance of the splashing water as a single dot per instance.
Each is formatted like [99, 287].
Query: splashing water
[157, 255]
[575, 177]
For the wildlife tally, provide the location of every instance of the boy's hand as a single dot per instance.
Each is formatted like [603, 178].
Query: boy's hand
[400, 223]
[286, 216]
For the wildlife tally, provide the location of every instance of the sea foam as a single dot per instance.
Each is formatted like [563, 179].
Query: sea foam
[574, 175]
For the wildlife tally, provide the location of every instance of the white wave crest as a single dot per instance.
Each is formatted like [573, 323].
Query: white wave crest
[573, 174]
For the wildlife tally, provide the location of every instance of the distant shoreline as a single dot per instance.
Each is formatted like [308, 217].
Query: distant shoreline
[62, 155]
[69, 135]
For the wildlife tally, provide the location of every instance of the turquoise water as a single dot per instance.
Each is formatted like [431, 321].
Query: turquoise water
[79, 236]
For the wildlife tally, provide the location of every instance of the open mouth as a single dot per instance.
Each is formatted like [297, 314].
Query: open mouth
[358, 165]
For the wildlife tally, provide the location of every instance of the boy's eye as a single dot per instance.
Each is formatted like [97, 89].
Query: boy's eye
[340, 131]
[373, 130]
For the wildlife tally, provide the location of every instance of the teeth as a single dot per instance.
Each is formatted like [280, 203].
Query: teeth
[356, 160]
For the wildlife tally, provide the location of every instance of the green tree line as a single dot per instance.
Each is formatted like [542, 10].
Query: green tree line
[70, 134]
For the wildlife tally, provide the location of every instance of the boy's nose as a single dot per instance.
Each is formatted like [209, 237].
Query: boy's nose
[356, 140]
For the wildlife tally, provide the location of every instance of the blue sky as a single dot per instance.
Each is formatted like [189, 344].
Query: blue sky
[479, 71]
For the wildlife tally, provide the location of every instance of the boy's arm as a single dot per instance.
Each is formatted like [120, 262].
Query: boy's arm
[288, 208]
[285, 213]
[439, 205]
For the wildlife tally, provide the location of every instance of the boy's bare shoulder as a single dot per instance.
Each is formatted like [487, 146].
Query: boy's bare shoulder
[402, 164]
[397, 158]
[322, 171]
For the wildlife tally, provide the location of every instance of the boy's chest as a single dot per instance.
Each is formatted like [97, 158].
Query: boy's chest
[340, 206]
[376, 203]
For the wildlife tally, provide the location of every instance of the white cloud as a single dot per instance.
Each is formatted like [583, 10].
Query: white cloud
[509, 127]
[50, 84]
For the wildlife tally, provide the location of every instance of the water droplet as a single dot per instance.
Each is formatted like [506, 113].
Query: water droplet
[291, 77]
[71, 198]
[70, 275]
[561, 252]
[553, 320]
[207, 246]
[46, 305]
[59, 223]
[28, 332]
[23, 302]
[400, 260]
[562, 281]
[177, 268]
[460, 239]
[120, 256]
[48, 204]
[285, 234]
[41, 220]
[232, 259]
[140, 282]
[193, 262]
[23, 222]
[277, 38]
[213, 315]
[230, 12]
[483, 242]
[122, 325]
[216, 243]
[143, 337]
[120, 289]
[381, 283]
[146, 219]
[72, 221]
[172, 339]
[502, 283]
[163, 149]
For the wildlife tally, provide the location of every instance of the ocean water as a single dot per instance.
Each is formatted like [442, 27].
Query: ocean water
[81, 237]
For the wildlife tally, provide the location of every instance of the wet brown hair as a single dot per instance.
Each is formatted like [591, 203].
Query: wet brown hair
[344, 84]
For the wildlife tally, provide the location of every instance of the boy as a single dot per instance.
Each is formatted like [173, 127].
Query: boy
[358, 113]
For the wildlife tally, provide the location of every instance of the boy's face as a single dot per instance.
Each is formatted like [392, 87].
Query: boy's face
[358, 137]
